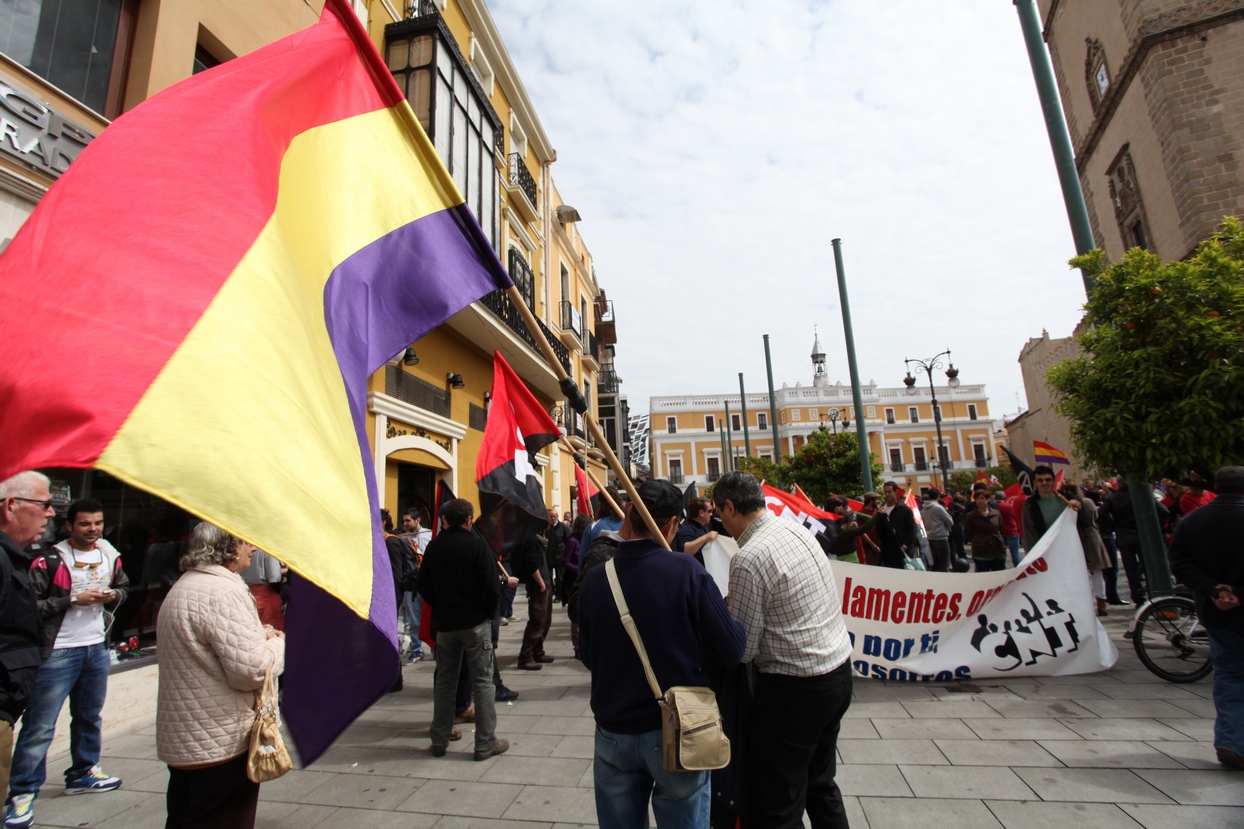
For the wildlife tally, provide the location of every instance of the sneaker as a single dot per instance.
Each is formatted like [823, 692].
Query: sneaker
[499, 746]
[506, 695]
[504, 621]
[511, 618]
[21, 811]
[93, 781]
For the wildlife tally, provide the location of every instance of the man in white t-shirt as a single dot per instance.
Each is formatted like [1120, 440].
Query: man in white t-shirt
[78, 582]
[411, 601]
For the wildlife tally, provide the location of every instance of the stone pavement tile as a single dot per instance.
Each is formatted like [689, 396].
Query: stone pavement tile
[533, 745]
[1199, 706]
[965, 783]
[364, 735]
[587, 781]
[1073, 692]
[984, 693]
[513, 721]
[1033, 814]
[857, 730]
[130, 745]
[872, 781]
[1118, 729]
[554, 691]
[454, 797]
[551, 707]
[273, 815]
[546, 772]
[886, 813]
[86, 811]
[413, 739]
[868, 710]
[948, 708]
[941, 729]
[1092, 786]
[855, 812]
[996, 753]
[1185, 817]
[873, 690]
[489, 823]
[292, 787]
[1110, 754]
[1165, 691]
[362, 791]
[584, 748]
[890, 752]
[1134, 708]
[1192, 755]
[378, 819]
[1027, 709]
[1200, 787]
[1136, 677]
[151, 813]
[1194, 729]
[1079, 679]
[458, 764]
[561, 726]
[569, 804]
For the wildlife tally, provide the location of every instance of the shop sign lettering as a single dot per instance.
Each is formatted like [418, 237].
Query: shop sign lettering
[36, 135]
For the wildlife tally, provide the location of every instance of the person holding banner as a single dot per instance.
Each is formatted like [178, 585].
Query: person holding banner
[783, 591]
[983, 526]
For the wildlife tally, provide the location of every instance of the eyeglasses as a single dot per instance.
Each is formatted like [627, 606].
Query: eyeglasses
[43, 505]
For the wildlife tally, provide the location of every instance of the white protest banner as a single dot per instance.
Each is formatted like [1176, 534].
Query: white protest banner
[717, 554]
[1038, 619]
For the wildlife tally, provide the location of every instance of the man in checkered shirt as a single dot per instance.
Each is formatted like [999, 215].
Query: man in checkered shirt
[783, 592]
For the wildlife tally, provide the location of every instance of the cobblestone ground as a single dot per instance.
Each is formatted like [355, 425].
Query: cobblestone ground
[1114, 750]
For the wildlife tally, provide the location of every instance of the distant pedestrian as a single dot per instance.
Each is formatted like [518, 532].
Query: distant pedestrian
[982, 524]
[937, 526]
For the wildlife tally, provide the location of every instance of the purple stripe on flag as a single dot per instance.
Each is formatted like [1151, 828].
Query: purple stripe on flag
[377, 302]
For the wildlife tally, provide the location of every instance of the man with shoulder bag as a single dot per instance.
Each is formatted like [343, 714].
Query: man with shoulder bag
[680, 619]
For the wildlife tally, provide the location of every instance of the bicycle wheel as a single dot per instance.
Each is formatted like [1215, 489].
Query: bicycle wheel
[1171, 642]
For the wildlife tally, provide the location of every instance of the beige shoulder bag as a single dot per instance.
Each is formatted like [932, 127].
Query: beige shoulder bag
[268, 757]
[691, 728]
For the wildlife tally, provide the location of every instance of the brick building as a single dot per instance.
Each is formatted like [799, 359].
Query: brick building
[1154, 96]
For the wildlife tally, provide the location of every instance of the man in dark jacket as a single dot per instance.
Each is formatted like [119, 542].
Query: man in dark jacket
[459, 580]
[898, 531]
[533, 567]
[25, 507]
[1117, 511]
[1206, 556]
[684, 623]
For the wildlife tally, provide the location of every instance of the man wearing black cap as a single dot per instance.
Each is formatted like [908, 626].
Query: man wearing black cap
[684, 623]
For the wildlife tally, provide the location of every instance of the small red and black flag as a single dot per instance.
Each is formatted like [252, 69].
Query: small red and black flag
[511, 504]
[587, 497]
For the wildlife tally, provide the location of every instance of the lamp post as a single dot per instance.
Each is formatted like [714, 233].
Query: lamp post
[952, 380]
[834, 415]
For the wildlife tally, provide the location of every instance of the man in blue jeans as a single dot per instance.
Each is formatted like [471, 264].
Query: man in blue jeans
[75, 582]
[1206, 556]
[684, 623]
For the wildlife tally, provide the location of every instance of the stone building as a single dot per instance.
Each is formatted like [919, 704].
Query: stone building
[1040, 421]
[1154, 97]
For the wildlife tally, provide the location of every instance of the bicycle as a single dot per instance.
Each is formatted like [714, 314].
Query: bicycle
[1169, 639]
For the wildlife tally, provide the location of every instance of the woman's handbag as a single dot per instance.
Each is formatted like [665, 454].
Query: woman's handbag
[691, 729]
[268, 758]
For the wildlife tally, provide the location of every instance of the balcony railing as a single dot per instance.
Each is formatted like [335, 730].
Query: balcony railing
[605, 328]
[421, 8]
[520, 177]
[981, 463]
[676, 478]
[499, 303]
[571, 320]
[608, 380]
[591, 348]
[896, 467]
[713, 477]
[922, 466]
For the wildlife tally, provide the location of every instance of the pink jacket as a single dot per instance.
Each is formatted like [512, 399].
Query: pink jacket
[213, 653]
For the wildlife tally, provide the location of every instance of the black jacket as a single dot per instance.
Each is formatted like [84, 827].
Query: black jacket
[602, 549]
[1117, 513]
[898, 530]
[1206, 552]
[20, 631]
[459, 579]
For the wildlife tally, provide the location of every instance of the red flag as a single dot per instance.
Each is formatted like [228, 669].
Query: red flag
[1058, 478]
[981, 476]
[511, 504]
[799, 491]
[584, 492]
[1014, 490]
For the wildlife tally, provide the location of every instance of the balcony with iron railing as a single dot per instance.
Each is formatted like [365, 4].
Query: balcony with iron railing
[591, 350]
[606, 329]
[676, 478]
[571, 323]
[499, 303]
[522, 185]
[608, 381]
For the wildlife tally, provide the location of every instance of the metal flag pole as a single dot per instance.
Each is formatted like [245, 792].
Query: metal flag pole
[777, 449]
[747, 435]
[729, 439]
[857, 398]
[576, 400]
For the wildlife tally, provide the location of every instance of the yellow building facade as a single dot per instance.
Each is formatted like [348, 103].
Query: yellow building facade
[687, 440]
[428, 406]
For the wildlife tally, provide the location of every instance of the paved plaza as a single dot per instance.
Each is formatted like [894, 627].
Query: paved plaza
[1115, 750]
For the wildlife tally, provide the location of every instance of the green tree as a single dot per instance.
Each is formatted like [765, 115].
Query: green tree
[828, 464]
[1159, 386]
[964, 479]
[763, 468]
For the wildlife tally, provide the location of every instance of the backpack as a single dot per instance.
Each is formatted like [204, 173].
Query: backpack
[602, 549]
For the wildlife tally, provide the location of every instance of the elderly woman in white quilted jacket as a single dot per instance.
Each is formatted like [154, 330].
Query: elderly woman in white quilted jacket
[213, 654]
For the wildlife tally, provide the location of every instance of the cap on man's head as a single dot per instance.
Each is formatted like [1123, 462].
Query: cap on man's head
[663, 500]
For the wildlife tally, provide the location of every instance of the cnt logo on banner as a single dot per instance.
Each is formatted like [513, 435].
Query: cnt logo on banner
[1038, 619]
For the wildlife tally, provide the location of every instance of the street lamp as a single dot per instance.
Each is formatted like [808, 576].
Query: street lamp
[952, 380]
[834, 416]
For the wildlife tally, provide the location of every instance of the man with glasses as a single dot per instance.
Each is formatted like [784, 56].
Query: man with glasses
[76, 581]
[25, 507]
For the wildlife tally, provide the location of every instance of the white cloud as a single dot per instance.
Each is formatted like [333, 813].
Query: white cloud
[715, 148]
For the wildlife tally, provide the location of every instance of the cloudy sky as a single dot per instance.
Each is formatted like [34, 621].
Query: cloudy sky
[715, 147]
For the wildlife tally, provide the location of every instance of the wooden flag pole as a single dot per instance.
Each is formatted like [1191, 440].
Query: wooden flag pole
[595, 481]
[516, 298]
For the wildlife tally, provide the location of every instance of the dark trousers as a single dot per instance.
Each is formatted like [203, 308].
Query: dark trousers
[940, 548]
[1133, 564]
[990, 565]
[1111, 575]
[217, 797]
[539, 617]
[791, 769]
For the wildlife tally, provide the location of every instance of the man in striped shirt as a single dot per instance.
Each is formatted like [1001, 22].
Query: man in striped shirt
[783, 592]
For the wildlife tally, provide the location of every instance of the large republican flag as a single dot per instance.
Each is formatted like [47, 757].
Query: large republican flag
[1045, 453]
[197, 306]
[511, 504]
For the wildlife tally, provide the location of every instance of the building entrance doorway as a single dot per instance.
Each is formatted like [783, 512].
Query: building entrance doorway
[416, 487]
